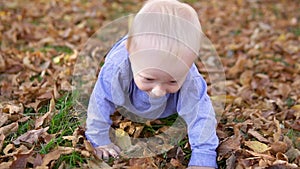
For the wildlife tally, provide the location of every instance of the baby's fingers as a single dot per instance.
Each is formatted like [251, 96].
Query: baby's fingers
[117, 149]
[113, 153]
[105, 155]
[102, 154]
[99, 153]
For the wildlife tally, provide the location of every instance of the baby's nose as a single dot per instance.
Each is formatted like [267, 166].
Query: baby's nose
[158, 91]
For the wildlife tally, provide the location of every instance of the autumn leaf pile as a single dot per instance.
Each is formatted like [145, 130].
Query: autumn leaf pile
[258, 44]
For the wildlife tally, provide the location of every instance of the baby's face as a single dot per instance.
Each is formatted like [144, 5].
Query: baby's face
[159, 72]
[156, 83]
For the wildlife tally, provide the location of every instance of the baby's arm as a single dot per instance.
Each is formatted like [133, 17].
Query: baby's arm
[98, 118]
[195, 167]
[196, 109]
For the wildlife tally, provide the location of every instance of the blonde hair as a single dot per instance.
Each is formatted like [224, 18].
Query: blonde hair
[167, 25]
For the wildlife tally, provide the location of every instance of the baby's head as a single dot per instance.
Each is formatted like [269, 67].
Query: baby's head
[163, 42]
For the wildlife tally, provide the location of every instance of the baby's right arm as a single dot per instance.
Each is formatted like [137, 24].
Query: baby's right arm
[98, 121]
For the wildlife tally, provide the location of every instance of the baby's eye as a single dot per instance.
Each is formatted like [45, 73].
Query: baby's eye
[148, 79]
[173, 82]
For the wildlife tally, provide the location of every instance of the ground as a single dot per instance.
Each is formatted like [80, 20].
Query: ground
[42, 125]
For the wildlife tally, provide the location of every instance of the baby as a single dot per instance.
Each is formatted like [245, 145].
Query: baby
[150, 72]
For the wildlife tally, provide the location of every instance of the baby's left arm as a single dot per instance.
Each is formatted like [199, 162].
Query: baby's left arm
[196, 109]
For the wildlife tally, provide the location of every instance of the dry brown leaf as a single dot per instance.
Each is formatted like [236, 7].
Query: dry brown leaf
[98, 164]
[31, 136]
[175, 163]
[138, 131]
[296, 125]
[2, 137]
[278, 133]
[65, 85]
[56, 153]
[39, 122]
[238, 67]
[279, 146]
[10, 128]
[88, 146]
[142, 163]
[246, 77]
[15, 108]
[6, 165]
[258, 136]
[229, 145]
[20, 160]
[2, 63]
[284, 90]
[8, 148]
[265, 156]
[3, 119]
[38, 160]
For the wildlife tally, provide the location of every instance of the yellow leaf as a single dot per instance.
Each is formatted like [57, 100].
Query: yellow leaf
[2, 13]
[282, 37]
[296, 107]
[122, 139]
[223, 98]
[257, 146]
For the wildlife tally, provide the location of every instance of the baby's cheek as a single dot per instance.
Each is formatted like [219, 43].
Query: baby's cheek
[174, 89]
[142, 86]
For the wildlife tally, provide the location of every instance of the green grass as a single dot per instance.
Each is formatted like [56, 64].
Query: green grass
[25, 126]
[289, 102]
[190, 1]
[294, 135]
[38, 77]
[63, 124]
[71, 160]
[296, 31]
[60, 49]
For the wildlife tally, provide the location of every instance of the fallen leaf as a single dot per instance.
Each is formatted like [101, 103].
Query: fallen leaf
[175, 163]
[39, 122]
[21, 159]
[257, 146]
[228, 146]
[2, 137]
[122, 139]
[10, 128]
[98, 164]
[238, 67]
[31, 136]
[56, 153]
[279, 146]
[8, 148]
[3, 119]
[38, 160]
[296, 125]
[265, 156]
[6, 165]
[246, 77]
[258, 136]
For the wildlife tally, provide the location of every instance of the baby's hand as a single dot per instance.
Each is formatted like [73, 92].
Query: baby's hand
[103, 152]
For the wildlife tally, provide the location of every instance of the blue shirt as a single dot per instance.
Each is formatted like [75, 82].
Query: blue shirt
[115, 87]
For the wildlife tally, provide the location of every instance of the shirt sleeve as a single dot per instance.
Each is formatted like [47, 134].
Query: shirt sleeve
[107, 93]
[196, 109]
[99, 110]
